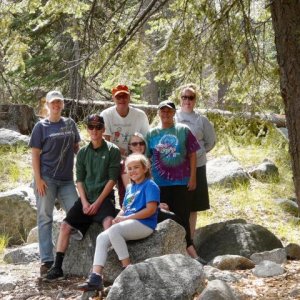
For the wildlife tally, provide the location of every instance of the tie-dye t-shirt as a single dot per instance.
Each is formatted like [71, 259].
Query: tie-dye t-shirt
[169, 151]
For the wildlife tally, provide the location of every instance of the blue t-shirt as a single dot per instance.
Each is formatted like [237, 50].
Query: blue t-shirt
[169, 151]
[56, 141]
[136, 198]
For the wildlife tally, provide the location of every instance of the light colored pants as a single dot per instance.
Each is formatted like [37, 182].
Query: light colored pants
[116, 236]
[65, 192]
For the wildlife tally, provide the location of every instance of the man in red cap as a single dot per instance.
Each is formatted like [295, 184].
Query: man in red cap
[122, 120]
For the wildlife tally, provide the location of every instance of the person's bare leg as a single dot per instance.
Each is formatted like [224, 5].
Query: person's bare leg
[192, 251]
[63, 237]
[193, 222]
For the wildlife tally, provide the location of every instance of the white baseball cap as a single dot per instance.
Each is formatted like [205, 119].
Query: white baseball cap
[54, 95]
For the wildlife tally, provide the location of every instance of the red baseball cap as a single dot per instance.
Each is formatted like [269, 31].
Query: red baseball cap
[120, 89]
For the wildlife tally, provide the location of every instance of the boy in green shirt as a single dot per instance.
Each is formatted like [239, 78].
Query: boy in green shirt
[97, 170]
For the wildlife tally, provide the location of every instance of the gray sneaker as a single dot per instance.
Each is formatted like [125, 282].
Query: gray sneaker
[54, 273]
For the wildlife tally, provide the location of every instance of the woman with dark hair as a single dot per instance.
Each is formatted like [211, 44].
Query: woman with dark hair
[136, 144]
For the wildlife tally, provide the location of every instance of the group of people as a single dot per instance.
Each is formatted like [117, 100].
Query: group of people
[160, 173]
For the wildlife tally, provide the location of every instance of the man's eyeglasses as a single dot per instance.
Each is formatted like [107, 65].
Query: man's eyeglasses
[191, 98]
[134, 144]
[97, 127]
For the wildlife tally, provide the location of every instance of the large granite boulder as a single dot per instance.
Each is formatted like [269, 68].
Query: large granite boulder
[11, 138]
[17, 205]
[234, 237]
[172, 276]
[19, 117]
[225, 170]
[168, 238]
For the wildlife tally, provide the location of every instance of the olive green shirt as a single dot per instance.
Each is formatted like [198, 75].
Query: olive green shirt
[95, 167]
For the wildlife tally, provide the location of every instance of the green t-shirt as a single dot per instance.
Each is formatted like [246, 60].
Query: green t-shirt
[94, 167]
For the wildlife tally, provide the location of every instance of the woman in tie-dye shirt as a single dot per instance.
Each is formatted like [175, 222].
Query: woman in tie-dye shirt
[172, 149]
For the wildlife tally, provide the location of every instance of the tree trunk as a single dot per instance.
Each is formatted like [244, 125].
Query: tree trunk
[151, 91]
[286, 23]
[74, 72]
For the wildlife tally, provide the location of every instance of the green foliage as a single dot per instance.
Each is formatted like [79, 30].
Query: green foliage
[88, 45]
[254, 201]
[4, 240]
[15, 166]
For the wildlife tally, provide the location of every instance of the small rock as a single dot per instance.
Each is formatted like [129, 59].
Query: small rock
[293, 251]
[217, 290]
[277, 255]
[23, 254]
[212, 273]
[288, 205]
[232, 262]
[7, 283]
[264, 171]
[267, 269]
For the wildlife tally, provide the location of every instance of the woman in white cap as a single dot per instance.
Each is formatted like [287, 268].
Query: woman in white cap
[54, 141]
[205, 134]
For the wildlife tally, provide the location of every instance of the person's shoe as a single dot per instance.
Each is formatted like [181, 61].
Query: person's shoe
[201, 260]
[54, 273]
[94, 283]
[45, 267]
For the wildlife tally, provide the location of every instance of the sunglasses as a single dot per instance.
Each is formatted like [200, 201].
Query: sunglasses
[191, 98]
[134, 144]
[97, 127]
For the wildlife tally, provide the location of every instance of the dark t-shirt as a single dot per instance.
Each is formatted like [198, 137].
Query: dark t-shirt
[56, 141]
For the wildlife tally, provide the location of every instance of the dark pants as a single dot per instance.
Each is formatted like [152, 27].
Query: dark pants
[78, 220]
[178, 198]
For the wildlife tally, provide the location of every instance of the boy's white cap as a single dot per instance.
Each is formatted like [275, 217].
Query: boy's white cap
[54, 95]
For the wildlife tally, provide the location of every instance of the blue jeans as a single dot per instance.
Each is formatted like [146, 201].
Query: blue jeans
[66, 194]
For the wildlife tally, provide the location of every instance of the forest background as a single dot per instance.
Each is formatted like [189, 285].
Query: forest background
[243, 54]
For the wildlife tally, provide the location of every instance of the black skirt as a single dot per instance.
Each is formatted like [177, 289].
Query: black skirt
[200, 199]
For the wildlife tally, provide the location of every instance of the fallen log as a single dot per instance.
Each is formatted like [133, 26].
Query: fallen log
[79, 109]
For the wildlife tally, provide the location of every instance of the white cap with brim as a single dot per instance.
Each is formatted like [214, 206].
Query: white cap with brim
[54, 95]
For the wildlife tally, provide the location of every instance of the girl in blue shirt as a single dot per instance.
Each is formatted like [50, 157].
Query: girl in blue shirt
[136, 220]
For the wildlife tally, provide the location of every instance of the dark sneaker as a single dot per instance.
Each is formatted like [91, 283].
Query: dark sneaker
[201, 260]
[94, 283]
[54, 273]
[45, 267]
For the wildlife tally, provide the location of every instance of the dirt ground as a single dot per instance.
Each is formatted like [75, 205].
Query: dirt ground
[28, 286]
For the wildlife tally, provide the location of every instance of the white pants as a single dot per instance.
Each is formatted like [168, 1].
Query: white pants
[116, 236]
